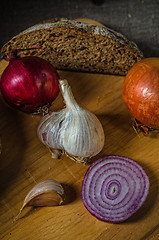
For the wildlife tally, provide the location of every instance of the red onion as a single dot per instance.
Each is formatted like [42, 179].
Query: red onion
[140, 93]
[114, 188]
[29, 83]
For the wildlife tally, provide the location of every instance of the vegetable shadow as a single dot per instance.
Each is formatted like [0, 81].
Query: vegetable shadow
[70, 193]
[118, 131]
[122, 121]
[13, 145]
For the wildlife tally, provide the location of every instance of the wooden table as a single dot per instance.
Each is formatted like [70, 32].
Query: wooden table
[25, 161]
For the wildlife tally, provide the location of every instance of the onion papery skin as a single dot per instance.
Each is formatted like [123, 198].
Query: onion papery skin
[29, 83]
[114, 188]
[141, 92]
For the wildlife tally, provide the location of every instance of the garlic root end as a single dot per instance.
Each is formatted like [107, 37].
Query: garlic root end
[78, 159]
[56, 153]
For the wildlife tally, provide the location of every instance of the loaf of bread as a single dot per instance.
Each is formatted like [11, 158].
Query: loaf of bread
[77, 46]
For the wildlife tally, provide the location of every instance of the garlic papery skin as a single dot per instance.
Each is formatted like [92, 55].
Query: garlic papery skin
[46, 193]
[74, 130]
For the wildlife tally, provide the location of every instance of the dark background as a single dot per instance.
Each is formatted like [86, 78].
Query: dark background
[138, 20]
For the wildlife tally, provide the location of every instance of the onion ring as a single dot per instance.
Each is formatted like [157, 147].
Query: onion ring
[114, 188]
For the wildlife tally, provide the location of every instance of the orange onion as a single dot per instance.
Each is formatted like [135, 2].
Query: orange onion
[141, 92]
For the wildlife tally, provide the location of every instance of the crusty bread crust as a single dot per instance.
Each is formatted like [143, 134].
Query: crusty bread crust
[77, 29]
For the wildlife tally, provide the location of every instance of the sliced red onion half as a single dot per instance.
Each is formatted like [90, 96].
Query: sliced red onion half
[114, 188]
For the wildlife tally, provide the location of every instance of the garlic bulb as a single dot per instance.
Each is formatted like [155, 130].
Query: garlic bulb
[73, 130]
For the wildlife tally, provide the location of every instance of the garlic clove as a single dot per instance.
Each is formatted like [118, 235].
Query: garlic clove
[46, 193]
[46, 199]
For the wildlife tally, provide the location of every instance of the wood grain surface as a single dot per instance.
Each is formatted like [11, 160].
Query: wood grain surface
[25, 161]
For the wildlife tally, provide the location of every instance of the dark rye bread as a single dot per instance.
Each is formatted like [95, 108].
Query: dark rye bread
[72, 45]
